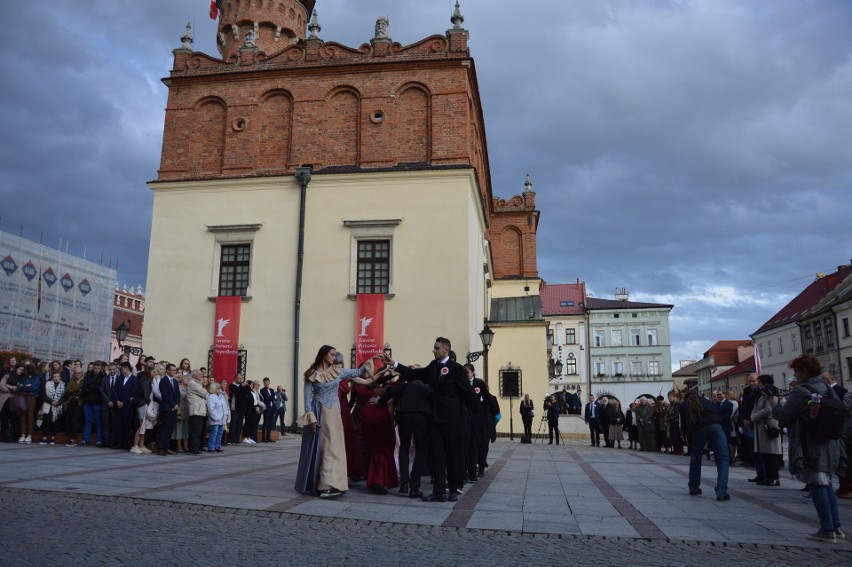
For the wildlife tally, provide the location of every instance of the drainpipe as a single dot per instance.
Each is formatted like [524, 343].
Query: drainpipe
[303, 177]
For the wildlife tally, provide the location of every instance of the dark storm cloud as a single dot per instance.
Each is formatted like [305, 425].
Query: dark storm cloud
[690, 151]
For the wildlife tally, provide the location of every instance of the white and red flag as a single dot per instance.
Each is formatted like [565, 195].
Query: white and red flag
[214, 10]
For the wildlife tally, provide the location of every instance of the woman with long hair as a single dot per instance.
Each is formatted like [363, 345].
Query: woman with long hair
[527, 413]
[73, 406]
[253, 413]
[322, 462]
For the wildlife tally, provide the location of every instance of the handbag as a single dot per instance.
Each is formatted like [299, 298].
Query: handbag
[18, 404]
[152, 411]
[772, 431]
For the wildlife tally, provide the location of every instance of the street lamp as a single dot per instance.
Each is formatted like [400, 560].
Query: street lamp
[558, 368]
[303, 177]
[121, 333]
[486, 335]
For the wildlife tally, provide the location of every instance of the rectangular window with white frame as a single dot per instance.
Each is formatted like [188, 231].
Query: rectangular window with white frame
[233, 246]
[599, 338]
[571, 366]
[845, 322]
[570, 336]
[371, 269]
[600, 369]
[636, 368]
[653, 368]
[616, 337]
[794, 341]
[618, 368]
[652, 337]
[635, 337]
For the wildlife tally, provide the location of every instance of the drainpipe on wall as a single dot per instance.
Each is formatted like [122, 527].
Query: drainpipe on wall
[303, 176]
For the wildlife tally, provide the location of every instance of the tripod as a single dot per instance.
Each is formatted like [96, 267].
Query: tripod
[543, 427]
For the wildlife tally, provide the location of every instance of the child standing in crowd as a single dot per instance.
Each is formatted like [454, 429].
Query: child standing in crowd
[218, 415]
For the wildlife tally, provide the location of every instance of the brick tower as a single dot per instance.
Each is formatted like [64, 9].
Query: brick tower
[275, 24]
[512, 234]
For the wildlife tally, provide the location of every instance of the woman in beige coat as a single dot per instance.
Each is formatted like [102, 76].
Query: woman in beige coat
[767, 449]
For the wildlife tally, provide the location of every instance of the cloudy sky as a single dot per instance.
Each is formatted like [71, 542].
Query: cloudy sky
[695, 152]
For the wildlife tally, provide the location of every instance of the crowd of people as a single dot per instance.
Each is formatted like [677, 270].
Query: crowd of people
[747, 430]
[155, 406]
[393, 424]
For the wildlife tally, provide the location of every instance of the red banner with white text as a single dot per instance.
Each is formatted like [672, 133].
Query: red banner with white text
[370, 326]
[226, 338]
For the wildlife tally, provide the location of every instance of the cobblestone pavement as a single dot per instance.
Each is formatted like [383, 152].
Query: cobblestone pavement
[555, 505]
[60, 529]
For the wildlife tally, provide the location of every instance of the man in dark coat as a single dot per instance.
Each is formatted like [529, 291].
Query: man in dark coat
[451, 392]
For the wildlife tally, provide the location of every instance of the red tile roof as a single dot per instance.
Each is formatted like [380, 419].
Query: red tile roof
[725, 353]
[809, 297]
[555, 299]
[744, 367]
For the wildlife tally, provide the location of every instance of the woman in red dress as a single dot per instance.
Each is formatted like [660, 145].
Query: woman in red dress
[377, 428]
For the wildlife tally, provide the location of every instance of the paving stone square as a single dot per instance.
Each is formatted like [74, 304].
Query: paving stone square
[598, 500]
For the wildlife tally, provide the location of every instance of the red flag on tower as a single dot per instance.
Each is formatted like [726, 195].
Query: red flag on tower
[214, 10]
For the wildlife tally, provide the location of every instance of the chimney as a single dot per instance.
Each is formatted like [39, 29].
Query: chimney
[621, 294]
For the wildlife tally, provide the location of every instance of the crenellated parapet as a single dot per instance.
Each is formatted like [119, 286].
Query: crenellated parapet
[317, 53]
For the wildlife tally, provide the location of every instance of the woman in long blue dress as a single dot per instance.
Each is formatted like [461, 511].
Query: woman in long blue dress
[322, 462]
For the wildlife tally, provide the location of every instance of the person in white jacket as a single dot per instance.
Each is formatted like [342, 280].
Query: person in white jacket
[218, 414]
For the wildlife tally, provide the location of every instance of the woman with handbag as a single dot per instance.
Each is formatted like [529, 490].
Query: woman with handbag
[767, 438]
[253, 414]
[54, 401]
[146, 409]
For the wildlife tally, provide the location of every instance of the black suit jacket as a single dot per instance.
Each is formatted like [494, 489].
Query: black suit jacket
[451, 389]
[588, 414]
[170, 396]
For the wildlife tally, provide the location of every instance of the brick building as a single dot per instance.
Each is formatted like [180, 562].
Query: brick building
[398, 202]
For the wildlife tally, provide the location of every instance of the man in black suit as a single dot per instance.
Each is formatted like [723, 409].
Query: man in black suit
[108, 380]
[603, 421]
[592, 417]
[412, 402]
[451, 392]
[267, 395]
[169, 402]
[125, 409]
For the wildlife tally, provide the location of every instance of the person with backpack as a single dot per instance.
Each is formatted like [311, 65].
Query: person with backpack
[816, 451]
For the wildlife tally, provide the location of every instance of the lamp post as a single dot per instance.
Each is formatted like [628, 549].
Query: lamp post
[121, 333]
[486, 335]
[303, 177]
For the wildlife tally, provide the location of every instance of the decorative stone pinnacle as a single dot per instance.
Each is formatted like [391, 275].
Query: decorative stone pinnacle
[528, 184]
[186, 39]
[314, 27]
[457, 18]
[382, 25]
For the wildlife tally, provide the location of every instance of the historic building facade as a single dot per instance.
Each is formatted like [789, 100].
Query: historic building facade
[629, 346]
[298, 173]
